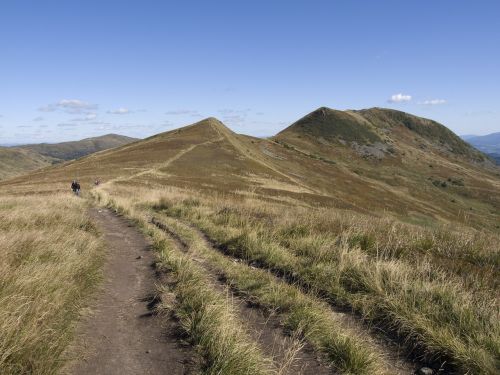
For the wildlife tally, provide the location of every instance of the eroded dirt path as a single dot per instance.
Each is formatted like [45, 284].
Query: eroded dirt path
[121, 335]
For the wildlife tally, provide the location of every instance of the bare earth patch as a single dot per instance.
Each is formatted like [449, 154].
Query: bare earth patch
[122, 335]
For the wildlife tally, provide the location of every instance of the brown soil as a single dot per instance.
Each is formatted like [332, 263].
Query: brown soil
[122, 334]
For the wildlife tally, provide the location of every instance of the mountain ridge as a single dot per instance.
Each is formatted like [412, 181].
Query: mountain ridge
[413, 178]
[19, 159]
[75, 149]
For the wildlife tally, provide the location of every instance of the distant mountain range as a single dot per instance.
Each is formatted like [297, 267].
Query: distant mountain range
[15, 160]
[489, 144]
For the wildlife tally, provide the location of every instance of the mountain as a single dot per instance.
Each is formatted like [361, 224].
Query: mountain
[377, 133]
[465, 137]
[489, 144]
[21, 159]
[77, 149]
[371, 161]
[496, 157]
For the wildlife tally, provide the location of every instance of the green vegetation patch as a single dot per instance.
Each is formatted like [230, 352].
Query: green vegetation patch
[333, 125]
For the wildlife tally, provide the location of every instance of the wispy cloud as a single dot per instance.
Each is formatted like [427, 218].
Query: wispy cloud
[480, 113]
[399, 98]
[99, 123]
[87, 117]
[120, 111]
[182, 112]
[38, 118]
[48, 108]
[74, 106]
[235, 117]
[434, 102]
[66, 125]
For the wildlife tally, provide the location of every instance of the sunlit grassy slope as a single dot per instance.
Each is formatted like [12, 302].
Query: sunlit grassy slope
[16, 161]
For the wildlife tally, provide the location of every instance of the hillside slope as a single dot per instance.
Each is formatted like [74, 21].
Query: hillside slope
[376, 132]
[403, 163]
[77, 149]
[17, 160]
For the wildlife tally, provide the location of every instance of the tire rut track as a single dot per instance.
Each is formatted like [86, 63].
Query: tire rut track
[292, 356]
[393, 355]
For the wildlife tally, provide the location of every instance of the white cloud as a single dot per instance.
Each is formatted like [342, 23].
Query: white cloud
[72, 103]
[120, 111]
[69, 106]
[434, 102]
[39, 118]
[399, 98]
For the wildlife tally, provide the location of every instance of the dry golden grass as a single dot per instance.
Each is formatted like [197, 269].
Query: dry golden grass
[207, 315]
[391, 282]
[49, 262]
[401, 277]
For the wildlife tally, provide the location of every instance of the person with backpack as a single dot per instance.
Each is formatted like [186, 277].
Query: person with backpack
[75, 187]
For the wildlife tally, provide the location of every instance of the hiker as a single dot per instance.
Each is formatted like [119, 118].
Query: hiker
[75, 186]
[97, 182]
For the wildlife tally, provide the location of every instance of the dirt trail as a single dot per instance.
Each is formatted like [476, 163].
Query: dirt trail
[163, 165]
[121, 335]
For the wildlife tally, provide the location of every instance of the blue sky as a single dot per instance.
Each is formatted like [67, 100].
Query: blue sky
[72, 69]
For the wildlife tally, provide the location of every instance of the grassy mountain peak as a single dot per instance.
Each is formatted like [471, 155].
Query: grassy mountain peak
[332, 125]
